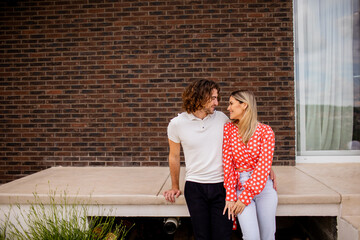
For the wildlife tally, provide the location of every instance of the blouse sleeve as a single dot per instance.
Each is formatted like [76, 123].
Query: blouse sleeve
[228, 165]
[256, 183]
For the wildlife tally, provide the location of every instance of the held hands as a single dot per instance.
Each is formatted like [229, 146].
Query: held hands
[171, 194]
[233, 208]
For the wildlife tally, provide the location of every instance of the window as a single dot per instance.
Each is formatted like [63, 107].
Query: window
[327, 77]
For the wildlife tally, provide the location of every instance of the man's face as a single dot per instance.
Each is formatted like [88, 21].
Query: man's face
[209, 107]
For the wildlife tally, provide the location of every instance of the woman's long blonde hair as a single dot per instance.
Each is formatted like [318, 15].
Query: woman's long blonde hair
[247, 124]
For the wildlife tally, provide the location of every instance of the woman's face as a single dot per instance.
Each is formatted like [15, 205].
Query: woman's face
[236, 109]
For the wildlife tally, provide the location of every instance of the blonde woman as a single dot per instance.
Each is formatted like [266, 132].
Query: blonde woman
[248, 148]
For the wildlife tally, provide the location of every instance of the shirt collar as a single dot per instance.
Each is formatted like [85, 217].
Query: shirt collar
[193, 117]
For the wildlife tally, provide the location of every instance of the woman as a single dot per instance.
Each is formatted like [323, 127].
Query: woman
[248, 148]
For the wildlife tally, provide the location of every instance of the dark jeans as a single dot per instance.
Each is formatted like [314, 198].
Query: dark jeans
[206, 203]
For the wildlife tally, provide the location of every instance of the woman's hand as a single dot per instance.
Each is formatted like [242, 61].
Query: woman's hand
[238, 207]
[273, 178]
[229, 206]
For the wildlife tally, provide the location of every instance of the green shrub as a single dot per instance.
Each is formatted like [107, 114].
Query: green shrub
[62, 221]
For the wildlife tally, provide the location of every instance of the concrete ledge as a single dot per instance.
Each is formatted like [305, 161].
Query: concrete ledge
[349, 227]
[296, 187]
[344, 179]
[303, 190]
[350, 205]
[142, 186]
[138, 191]
[92, 185]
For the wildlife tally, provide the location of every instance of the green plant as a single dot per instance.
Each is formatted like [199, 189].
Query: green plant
[2, 233]
[107, 229]
[62, 221]
[4, 227]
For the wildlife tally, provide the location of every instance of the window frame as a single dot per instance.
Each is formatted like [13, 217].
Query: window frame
[304, 156]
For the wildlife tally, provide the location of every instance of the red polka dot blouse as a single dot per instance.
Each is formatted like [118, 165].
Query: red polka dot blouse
[257, 156]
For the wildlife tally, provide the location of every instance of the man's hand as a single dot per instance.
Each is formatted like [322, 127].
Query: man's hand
[171, 194]
[229, 206]
[273, 178]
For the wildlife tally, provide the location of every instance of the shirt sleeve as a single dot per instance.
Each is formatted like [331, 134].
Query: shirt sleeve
[230, 181]
[172, 132]
[256, 183]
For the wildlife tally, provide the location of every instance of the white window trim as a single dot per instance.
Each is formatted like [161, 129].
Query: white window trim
[327, 159]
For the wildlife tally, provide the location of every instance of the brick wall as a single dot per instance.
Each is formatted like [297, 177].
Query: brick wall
[95, 83]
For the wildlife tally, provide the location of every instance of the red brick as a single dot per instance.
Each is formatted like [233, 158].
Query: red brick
[99, 87]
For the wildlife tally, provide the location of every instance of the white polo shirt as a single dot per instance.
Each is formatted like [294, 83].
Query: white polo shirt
[201, 140]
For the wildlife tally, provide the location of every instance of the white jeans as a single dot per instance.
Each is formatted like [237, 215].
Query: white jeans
[257, 221]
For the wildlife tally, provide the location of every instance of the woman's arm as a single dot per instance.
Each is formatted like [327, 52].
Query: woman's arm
[256, 183]
[230, 180]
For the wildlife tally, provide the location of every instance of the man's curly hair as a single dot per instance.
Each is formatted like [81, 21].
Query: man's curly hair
[197, 94]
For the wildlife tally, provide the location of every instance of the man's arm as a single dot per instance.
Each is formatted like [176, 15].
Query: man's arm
[174, 165]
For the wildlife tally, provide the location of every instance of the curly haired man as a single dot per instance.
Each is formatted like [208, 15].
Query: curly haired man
[199, 130]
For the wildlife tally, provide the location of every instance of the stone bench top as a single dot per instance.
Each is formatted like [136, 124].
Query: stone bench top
[303, 190]
[301, 184]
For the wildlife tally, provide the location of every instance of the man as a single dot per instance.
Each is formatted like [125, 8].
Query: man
[200, 132]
